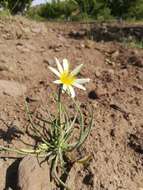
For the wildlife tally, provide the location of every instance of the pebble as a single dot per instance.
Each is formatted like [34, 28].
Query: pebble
[32, 176]
[12, 88]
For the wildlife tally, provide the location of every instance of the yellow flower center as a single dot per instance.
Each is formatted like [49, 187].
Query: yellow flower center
[67, 79]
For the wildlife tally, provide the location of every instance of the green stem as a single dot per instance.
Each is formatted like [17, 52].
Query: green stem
[22, 151]
[59, 93]
[2, 148]
[58, 180]
[60, 110]
[59, 103]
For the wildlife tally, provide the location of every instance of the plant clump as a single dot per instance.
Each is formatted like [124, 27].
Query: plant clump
[56, 137]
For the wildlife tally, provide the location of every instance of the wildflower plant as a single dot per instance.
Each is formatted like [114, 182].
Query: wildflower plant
[55, 138]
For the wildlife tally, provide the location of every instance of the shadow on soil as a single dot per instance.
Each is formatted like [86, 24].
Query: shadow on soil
[107, 32]
[12, 175]
[136, 143]
[10, 133]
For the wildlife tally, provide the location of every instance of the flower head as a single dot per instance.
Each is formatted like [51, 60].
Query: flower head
[68, 79]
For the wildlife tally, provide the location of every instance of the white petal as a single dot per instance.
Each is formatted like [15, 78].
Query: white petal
[76, 70]
[59, 65]
[82, 81]
[66, 65]
[55, 71]
[57, 82]
[72, 92]
[79, 86]
[64, 88]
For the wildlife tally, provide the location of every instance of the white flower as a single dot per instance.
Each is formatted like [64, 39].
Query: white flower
[68, 79]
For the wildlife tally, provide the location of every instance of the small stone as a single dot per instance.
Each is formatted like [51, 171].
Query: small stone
[78, 34]
[32, 176]
[57, 49]
[109, 62]
[12, 88]
[95, 104]
[23, 49]
[16, 125]
[49, 61]
[115, 55]
[19, 34]
[97, 72]
[42, 49]
[138, 87]
[82, 45]
[89, 44]
[61, 38]
[36, 30]
[54, 46]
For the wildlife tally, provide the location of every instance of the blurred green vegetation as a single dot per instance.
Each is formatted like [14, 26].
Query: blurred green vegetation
[75, 10]
[72, 10]
[15, 6]
[132, 42]
[4, 13]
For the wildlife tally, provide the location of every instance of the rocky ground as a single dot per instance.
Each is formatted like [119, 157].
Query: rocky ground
[27, 49]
